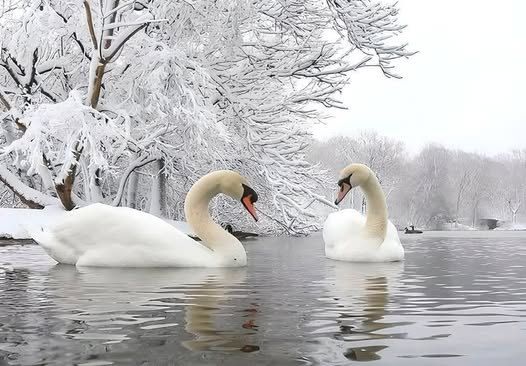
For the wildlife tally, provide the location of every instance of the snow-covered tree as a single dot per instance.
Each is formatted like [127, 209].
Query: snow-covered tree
[129, 102]
[514, 187]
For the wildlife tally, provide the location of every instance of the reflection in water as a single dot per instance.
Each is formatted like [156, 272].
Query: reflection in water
[365, 353]
[457, 297]
[201, 317]
[360, 294]
[126, 291]
[105, 308]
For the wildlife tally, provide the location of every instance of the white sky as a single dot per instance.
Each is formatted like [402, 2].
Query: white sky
[466, 88]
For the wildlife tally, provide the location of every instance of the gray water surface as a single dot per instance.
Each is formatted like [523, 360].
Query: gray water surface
[458, 299]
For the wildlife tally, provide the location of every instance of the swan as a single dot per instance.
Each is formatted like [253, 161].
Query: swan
[350, 236]
[106, 236]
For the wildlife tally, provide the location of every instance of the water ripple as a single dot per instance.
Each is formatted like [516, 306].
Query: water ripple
[458, 298]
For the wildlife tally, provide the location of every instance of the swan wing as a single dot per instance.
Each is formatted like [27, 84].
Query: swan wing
[345, 239]
[391, 248]
[340, 226]
[102, 235]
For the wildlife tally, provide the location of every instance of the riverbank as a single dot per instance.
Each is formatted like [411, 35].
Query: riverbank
[9, 242]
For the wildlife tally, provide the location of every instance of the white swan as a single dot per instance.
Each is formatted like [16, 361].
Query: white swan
[107, 236]
[349, 236]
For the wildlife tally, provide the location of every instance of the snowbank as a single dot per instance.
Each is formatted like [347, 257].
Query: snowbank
[511, 227]
[14, 221]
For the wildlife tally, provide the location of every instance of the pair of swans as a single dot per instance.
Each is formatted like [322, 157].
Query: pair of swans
[107, 236]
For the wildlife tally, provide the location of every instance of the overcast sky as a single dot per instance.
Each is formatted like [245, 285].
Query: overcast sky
[466, 88]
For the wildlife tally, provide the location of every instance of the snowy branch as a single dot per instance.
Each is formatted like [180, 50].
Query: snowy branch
[89, 19]
[29, 196]
[140, 162]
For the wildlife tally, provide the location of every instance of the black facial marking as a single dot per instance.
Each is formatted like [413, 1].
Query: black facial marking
[247, 191]
[345, 180]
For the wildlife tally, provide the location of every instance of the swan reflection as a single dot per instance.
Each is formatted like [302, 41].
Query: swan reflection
[360, 293]
[169, 304]
[202, 318]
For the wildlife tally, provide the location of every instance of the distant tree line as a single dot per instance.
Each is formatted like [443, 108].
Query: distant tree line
[436, 188]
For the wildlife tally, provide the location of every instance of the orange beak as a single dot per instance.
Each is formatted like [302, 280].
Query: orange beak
[344, 189]
[247, 202]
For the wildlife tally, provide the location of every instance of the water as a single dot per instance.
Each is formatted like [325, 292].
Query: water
[458, 299]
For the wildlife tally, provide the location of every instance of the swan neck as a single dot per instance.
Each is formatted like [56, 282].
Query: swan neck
[198, 217]
[376, 222]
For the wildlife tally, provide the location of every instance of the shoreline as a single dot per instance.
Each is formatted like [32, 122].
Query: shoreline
[8, 242]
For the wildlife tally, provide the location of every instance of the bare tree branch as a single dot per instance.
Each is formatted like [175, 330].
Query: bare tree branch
[89, 19]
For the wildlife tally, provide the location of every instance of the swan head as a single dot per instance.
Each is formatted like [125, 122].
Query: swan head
[353, 175]
[236, 186]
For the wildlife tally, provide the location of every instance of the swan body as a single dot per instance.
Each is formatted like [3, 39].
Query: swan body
[346, 239]
[351, 236]
[106, 236]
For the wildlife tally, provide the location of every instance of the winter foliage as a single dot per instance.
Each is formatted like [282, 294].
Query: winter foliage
[129, 102]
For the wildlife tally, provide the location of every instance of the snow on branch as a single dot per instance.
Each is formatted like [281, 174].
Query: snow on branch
[5, 101]
[119, 41]
[29, 196]
[373, 28]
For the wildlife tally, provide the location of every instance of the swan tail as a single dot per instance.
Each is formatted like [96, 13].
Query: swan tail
[40, 235]
[53, 247]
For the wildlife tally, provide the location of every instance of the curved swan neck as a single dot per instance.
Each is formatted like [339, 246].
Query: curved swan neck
[198, 216]
[376, 223]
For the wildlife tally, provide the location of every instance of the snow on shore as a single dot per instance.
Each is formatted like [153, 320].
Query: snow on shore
[14, 221]
[512, 227]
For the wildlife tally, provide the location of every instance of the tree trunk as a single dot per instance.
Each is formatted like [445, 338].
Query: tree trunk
[65, 188]
[475, 209]
[158, 193]
[95, 189]
[97, 85]
[64, 193]
[133, 182]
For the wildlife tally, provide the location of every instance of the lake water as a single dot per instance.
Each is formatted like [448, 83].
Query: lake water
[458, 299]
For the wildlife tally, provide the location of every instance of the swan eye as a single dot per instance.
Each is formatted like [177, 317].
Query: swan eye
[345, 180]
[250, 193]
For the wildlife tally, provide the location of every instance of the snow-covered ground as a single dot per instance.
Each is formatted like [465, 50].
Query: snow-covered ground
[15, 221]
[512, 227]
[451, 226]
